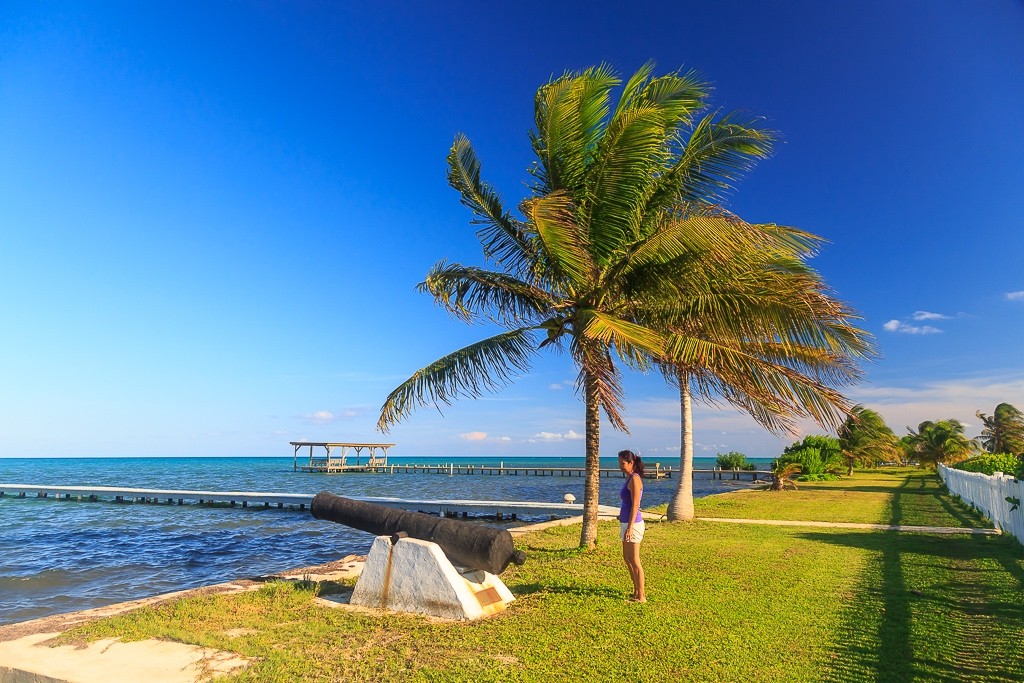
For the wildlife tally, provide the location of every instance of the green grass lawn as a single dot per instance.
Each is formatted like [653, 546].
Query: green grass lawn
[889, 496]
[727, 603]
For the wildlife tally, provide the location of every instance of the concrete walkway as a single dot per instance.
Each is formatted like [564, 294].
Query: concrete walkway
[28, 659]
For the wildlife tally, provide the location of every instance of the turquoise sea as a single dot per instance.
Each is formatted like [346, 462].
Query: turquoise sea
[59, 556]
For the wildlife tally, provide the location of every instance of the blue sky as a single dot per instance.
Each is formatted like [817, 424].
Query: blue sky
[214, 215]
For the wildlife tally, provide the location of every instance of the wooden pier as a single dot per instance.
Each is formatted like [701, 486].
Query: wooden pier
[493, 508]
[330, 462]
[451, 469]
[494, 470]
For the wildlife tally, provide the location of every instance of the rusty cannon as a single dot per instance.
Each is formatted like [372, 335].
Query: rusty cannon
[472, 546]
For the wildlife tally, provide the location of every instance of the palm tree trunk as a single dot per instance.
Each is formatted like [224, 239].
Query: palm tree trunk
[592, 431]
[681, 506]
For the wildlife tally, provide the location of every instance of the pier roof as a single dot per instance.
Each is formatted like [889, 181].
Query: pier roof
[339, 443]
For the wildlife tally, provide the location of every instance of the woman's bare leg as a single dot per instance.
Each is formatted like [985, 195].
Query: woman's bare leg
[631, 553]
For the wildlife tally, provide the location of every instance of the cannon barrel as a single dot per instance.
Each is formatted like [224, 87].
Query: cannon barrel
[467, 545]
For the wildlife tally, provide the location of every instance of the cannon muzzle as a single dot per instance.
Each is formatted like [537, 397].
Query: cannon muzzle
[467, 545]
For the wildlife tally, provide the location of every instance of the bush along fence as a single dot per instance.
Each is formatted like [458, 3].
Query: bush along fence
[998, 496]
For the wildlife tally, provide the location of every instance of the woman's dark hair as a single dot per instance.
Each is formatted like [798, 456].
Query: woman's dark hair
[630, 456]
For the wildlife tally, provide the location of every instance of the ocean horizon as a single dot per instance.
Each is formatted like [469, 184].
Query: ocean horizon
[60, 555]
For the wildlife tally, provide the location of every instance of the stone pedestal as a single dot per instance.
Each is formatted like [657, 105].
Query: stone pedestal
[411, 575]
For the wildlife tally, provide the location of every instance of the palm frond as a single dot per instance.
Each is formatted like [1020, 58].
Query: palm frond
[630, 339]
[688, 240]
[757, 377]
[717, 154]
[633, 86]
[565, 247]
[468, 293]
[570, 115]
[633, 153]
[502, 237]
[679, 95]
[488, 365]
[797, 243]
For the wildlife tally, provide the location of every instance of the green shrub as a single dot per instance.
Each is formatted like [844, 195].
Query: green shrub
[819, 477]
[989, 463]
[733, 460]
[816, 454]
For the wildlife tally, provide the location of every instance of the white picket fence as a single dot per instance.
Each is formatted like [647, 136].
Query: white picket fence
[988, 494]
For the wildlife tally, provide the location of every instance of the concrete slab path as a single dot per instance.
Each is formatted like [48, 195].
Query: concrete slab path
[29, 659]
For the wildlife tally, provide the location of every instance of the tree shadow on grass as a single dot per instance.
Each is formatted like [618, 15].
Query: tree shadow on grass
[918, 499]
[553, 552]
[929, 607]
[961, 512]
[568, 589]
[860, 488]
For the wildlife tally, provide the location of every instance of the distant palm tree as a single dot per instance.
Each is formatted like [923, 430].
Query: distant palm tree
[599, 244]
[942, 441]
[773, 343]
[865, 438]
[1003, 432]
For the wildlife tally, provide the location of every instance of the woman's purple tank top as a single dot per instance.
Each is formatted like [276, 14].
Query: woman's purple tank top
[627, 502]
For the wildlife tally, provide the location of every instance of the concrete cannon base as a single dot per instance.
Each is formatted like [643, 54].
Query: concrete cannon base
[416, 576]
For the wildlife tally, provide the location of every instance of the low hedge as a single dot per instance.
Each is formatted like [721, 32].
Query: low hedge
[990, 463]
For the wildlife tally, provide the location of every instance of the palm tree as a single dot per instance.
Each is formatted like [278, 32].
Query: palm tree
[865, 438]
[782, 474]
[941, 441]
[1003, 432]
[591, 253]
[772, 342]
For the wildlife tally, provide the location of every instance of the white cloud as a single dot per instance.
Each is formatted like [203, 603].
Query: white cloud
[903, 406]
[1015, 296]
[554, 387]
[904, 328]
[571, 435]
[325, 417]
[473, 436]
[505, 438]
[927, 315]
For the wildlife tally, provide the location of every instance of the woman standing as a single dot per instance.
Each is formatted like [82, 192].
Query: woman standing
[631, 521]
